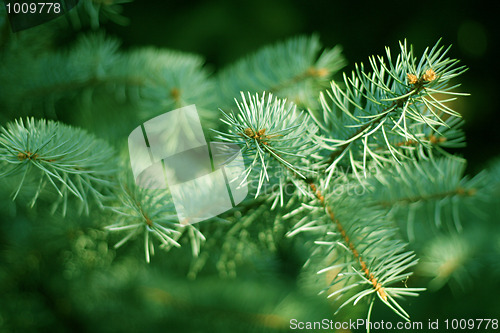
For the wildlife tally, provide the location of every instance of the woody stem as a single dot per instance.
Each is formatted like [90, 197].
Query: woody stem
[376, 285]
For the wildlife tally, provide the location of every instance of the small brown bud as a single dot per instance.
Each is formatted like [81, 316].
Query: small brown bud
[175, 93]
[381, 291]
[429, 75]
[412, 78]
[248, 132]
[27, 155]
[318, 72]
[471, 192]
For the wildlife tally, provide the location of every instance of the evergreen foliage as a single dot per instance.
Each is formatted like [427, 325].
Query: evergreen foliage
[355, 187]
[294, 69]
[70, 159]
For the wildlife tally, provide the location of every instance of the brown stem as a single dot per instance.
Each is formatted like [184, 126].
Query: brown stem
[376, 285]
[418, 86]
[27, 155]
[408, 200]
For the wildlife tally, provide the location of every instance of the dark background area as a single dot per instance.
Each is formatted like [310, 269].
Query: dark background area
[222, 31]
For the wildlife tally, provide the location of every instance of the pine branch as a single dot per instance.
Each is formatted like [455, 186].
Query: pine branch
[294, 69]
[155, 80]
[276, 139]
[396, 100]
[350, 244]
[150, 213]
[372, 259]
[443, 137]
[71, 160]
[249, 128]
[382, 117]
[436, 188]
[445, 260]
[459, 191]
[390, 125]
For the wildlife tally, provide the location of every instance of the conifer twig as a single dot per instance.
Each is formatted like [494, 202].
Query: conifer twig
[349, 242]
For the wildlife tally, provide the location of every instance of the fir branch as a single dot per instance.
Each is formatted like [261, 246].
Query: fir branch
[459, 191]
[69, 159]
[174, 79]
[298, 75]
[373, 260]
[350, 244]
[156, 80]
[437, 188]
[276, 138]
[150, 213]
[395, 99]
[395, 260]
[445, 260]
[443, 137]
[58, 75]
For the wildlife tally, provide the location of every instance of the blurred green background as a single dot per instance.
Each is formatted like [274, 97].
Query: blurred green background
[86, 287]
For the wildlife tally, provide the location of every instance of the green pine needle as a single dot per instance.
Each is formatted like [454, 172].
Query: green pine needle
[68, 159]
[378, 112]
[276, 138]
[152, 215]
[295, 69]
